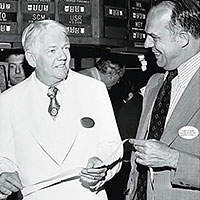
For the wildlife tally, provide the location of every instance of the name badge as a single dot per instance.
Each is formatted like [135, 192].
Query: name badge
[87, 122]
[188, 132]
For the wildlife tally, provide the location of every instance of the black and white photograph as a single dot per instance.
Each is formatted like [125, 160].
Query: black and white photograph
[99, 99]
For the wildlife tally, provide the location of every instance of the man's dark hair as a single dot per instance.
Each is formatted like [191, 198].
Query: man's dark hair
[27, 68]
[185, 15]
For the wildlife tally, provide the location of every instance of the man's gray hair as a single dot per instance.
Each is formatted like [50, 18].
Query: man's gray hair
[32, 33]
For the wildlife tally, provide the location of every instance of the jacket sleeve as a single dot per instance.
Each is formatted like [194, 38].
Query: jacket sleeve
[7, 150]
[110, 147]
[187, 172]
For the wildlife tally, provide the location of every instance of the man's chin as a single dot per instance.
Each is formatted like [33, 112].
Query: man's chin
[15, 82]
[64, 75]
[160, 64]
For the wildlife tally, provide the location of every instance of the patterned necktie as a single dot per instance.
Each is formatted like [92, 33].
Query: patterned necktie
[54, 105]
[158, 117]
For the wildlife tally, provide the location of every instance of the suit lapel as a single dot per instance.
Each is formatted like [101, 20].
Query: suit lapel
[148, 106]
[39, 122]
[68, 122]
[56, 138]
[187, 106]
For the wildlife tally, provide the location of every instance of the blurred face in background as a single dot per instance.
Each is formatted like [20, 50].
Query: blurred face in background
[15, 69]
[111, 73]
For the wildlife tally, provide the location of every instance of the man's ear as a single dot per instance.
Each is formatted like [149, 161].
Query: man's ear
[30, 58]
[184, 39]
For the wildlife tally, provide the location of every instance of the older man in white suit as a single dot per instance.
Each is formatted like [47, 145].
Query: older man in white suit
[77, 136]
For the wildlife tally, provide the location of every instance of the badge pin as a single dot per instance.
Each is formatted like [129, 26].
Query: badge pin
[87, 122]
[188, 132]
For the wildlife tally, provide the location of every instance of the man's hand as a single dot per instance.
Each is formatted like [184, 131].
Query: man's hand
[153, 153]
[92, 175]
[9, 182]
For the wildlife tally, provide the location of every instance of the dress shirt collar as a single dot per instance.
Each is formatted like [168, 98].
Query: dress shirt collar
[187, 69]
[41, 86]
[44, 88]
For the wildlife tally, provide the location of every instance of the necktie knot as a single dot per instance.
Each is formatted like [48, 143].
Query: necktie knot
[52, 92]
[172, 74]
[54, 105]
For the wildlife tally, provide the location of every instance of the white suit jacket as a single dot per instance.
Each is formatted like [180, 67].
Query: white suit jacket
[39, 148]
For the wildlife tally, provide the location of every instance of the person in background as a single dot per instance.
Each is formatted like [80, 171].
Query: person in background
[18, 68]
[129, 115]
[3, 79]
[166, 152]
[16, 72]
[127, 121]
[106, 71]
[111, 72]
[55, 129]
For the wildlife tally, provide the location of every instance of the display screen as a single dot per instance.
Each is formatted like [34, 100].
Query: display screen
[35, 10]
[8, 6]
[76, 16]
[38, 7]
[115, 12]
[8, 17]
[79, 30]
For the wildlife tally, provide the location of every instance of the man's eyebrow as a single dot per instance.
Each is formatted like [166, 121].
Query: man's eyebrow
[67, 45]
[55, 46]
[13, 63]
[52, 46]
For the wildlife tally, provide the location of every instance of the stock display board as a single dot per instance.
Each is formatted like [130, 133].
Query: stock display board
[35, 10]
[8, 17]
[76, 15]
[137, 17]
[115, 19]
[115, 12]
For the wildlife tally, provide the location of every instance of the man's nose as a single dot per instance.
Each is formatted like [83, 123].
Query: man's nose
[18, 69]
[148, 42]
[62, 55]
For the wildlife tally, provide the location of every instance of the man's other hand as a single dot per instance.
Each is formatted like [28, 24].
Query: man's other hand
[93, 173]
[9, 182]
